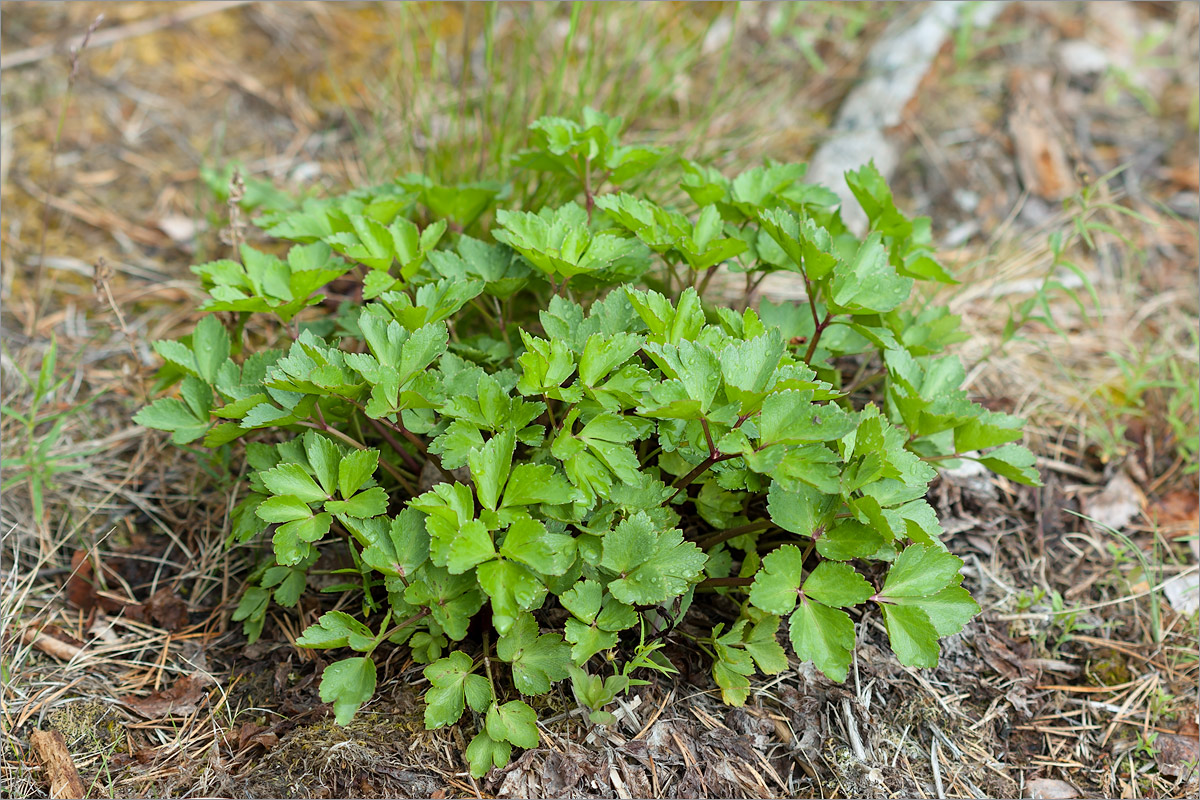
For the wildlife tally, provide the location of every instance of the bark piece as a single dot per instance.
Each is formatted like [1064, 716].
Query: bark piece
[52, 751]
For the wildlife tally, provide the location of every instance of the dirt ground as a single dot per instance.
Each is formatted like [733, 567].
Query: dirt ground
[1078, 287]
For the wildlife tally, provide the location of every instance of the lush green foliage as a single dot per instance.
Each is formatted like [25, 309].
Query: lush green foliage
[535, 421]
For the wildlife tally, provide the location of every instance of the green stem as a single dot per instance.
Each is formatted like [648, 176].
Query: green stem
[402, 625]
[487, 662]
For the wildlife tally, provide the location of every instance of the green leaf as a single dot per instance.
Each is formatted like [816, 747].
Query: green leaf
[337, 629]
[355, 470]
[948, 610]
[512, 589]
[920, 570]
[470, 545]
[836, 584]
[323, 456]
[210, 343]
[850, 539]
[370, 503]
[868, 283]
[776, 586]
[451, 599]
[824, 636]
[583, 600]
[790, 417]
[804, 510]
[452, 688]
[1013, 462]
[651, 566]
[402, 549]
[484, 752]
[528, 541]
[537, 660]
[587, 640]
[761, 644]
[490, 467]
[530, 484]
[291, 479]
[987, 430]
[169, 414]
[514, 722]
[348, 684]
[913, 638]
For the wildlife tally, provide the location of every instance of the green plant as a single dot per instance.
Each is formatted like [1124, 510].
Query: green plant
[508, 435]
[42, 456]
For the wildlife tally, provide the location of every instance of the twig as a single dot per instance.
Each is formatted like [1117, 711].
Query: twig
[51, 646]
[109, 36]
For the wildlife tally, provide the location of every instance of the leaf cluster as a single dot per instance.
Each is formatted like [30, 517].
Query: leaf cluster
[537, 418]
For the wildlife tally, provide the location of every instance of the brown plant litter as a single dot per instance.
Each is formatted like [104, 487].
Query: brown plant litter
[1078, 679]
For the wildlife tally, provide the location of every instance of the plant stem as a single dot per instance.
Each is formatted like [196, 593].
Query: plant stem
[712, 583]
[712, 448]
[396, 446]
[487, 661]
[816, 337]
[723, 536]
[686, 480]
[708, 276]
[402, 625]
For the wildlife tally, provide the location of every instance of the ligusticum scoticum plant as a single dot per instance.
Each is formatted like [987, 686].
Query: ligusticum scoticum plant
[525, 441]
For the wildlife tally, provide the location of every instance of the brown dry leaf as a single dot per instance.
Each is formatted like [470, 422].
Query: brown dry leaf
[181, 699]
[251, 734]
[1041, 157]
[1177, 755]
[165, 608]
[1119, 503]
[1177, 513]
[1050, 789]
[1187, 177]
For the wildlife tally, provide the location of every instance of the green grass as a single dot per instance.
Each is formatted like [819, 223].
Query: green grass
[38, 456]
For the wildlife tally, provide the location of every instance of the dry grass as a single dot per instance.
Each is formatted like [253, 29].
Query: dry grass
[1079, 659]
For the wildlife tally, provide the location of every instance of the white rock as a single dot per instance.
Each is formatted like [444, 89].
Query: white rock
[1082, 58]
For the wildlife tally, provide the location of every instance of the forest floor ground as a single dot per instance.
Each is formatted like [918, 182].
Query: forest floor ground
[1078, 287]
